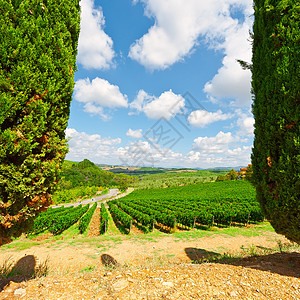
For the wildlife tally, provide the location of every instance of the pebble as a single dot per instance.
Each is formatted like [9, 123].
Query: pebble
[120, 285]
[168, 284]
[233, 294]
[20, 292]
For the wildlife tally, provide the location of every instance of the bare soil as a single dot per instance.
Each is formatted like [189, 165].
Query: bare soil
[184, 281]
[153, 268]
[94, 227]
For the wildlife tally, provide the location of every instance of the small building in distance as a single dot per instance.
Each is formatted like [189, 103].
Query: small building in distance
[244, 170]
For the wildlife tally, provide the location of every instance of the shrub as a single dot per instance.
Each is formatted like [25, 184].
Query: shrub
[86, 219]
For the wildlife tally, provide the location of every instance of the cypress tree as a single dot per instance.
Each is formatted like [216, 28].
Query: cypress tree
[38, 46]
[276, 109]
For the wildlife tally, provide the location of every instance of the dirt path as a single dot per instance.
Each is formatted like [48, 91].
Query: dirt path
[94, 227]
[103, 198]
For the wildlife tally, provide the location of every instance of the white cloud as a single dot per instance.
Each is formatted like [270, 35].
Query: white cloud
[136, 134]
[232, 81]
[98, 94]
[246, 126]
[138, 103]
[207, 151]
[181, 25]
[240, 156]
[90, 146]
[201, 118]
[242, 153]
[167, 105]
[178, 25]
[142, 153]
[95, 47]
[245, 123]
[216, 144]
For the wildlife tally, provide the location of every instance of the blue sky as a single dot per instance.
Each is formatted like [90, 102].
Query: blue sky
[158, 84]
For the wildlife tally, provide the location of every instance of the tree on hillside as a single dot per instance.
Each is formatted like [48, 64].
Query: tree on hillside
[232, 175]
[276, 108]
[38, 45]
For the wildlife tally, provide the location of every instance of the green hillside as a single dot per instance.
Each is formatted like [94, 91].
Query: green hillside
[80, 179]
[86, 173]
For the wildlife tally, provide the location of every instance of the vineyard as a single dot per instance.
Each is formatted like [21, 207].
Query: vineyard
[184, 207]
[209, 204]
[56, 220]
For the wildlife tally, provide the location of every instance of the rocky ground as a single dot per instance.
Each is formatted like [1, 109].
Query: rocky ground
[274, 277]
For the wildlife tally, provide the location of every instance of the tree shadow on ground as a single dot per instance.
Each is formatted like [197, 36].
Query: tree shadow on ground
[109, 262]
[286, 264]
[200, 255]
[23, 270]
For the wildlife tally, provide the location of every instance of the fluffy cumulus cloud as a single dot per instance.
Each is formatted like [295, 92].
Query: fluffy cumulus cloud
[207, 151]
[181, 25]
[201, 118]
[239, 156]
[167, 105]
[136, 134]
[97, 94]
[90, 146]
[242, 153]
[245, 123]
[143, 153]
[232, 81]
[178, 25]
[95, 47]
[213, 145]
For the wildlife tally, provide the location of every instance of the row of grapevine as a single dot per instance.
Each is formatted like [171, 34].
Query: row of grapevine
[62, 222]
[142, 218]
[86, 219]
[120, 215]
[45, 219]
[160, 215]
[57, 220]
[206, 204]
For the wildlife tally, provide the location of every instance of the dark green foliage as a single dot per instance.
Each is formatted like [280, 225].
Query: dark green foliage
[38, 45]
[276, 108]
[86, 219]
[249, 173]
[232, 175]
[61, 222]
[44, 219]
[58, 219]
[103, 219]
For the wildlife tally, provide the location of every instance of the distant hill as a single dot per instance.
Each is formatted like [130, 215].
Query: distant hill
[86, 173]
